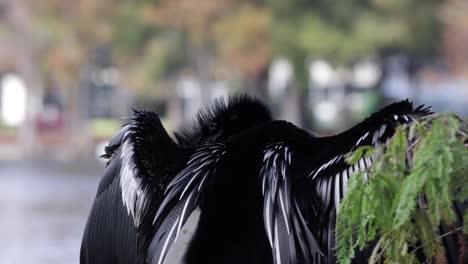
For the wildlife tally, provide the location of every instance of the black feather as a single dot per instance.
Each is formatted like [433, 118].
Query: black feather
[223, 119]
[142, 158]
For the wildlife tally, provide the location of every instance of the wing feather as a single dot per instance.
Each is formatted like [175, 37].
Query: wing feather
[374, 132]
[288, 233]
[183, 195]
[141, 159]
[330, 176]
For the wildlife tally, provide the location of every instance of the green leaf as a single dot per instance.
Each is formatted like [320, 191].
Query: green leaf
[411, 190]
[355, 156]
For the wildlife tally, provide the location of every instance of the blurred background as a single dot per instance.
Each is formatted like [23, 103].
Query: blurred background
[69, 70]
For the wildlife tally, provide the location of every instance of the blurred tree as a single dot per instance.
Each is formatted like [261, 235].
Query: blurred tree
[64, 33]
[71, 31]
[341, 31]
[180, 36]
[243, 39]
[156, 40]
[203, 38]
[146, 53]
[454, 16]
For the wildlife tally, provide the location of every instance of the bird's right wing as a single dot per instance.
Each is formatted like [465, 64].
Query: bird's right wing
[287, 228]
[330, 173]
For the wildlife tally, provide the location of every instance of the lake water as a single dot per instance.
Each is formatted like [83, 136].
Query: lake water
[43, 210]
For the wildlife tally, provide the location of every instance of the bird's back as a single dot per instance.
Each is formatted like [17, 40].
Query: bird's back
[230, 229]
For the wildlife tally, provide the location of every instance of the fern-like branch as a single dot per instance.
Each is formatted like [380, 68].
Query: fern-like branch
[414, 184]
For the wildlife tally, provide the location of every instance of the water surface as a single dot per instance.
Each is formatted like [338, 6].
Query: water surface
[43, 210]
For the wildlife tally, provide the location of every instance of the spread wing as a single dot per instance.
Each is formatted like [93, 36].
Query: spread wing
[142, 160]
[330, 173]
[287, 229]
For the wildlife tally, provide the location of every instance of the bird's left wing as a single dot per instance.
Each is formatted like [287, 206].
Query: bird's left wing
[330, 172]
[142, 159]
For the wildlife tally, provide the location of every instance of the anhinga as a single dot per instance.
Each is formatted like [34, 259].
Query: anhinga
[267, 190]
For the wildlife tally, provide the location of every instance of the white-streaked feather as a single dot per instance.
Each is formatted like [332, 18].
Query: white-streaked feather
[277, 248]
[337, 191]
[362, 166]
[317, 172]
[184, 190]
[184, 210]
[362, 138]
[187, 186]
[166, 244]
[375, 138]
[268, 220]
[382, 130]
[345, 181]
[351, 171]
[202, 181]
[368, 162]
[283, 209]
[356, 168]
[133, 196]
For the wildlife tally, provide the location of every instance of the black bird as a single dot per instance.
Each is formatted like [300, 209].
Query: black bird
[267, 190]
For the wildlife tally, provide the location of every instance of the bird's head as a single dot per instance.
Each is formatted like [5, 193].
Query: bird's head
[224, 119]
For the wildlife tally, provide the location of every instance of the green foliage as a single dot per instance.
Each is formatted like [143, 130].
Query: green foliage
[341, 31]
[427, 159]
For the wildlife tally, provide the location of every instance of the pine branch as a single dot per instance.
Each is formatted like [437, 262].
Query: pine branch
[413, 183]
